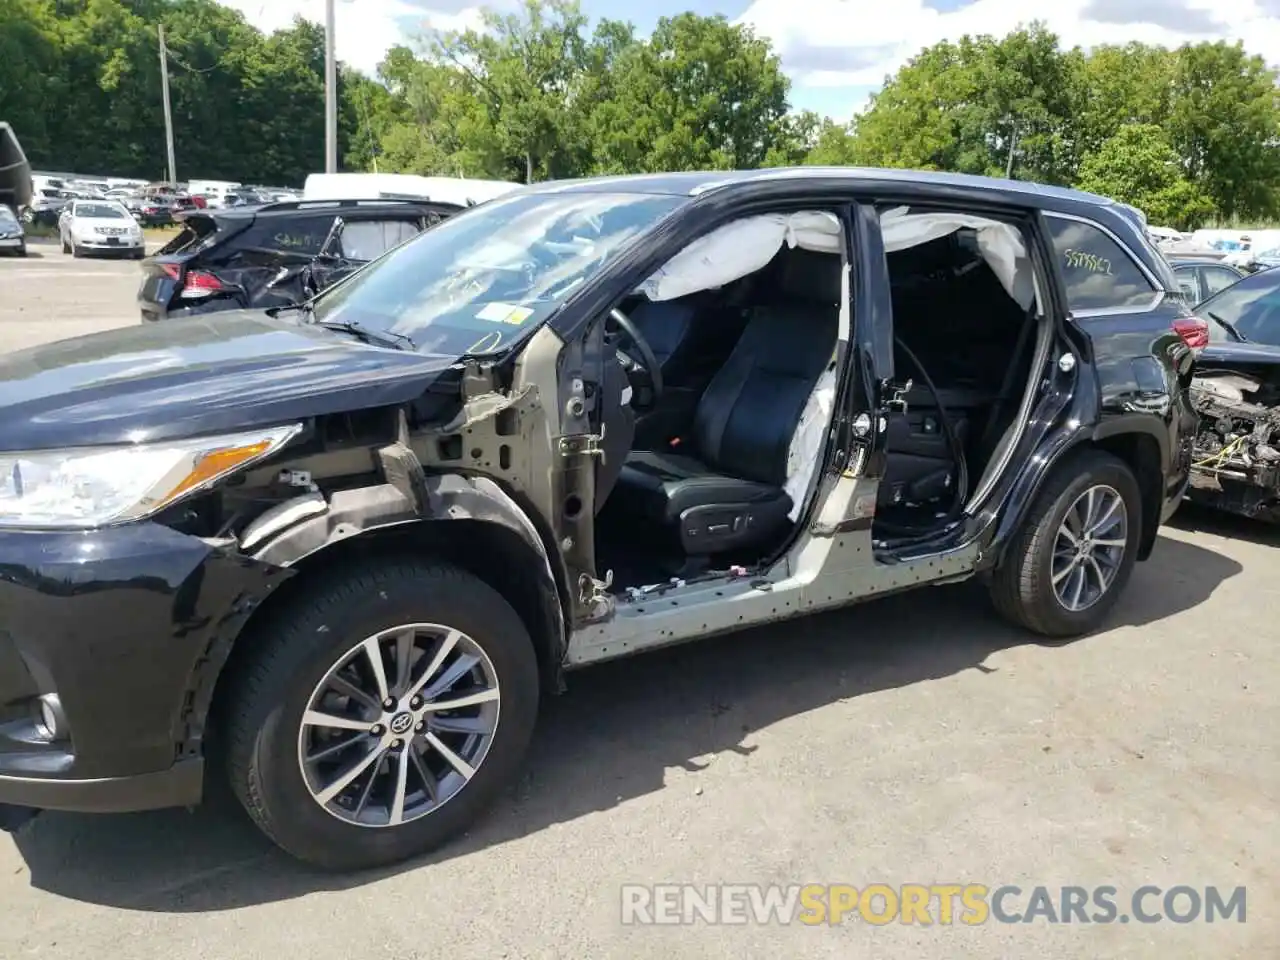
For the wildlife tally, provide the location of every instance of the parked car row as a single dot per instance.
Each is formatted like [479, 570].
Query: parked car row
[154, 204]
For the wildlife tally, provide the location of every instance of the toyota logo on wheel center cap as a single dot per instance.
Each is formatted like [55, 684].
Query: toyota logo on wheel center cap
[401, 723]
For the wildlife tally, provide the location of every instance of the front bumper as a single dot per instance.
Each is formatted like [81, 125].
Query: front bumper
[12, 243]
[126, 628]
[124, 246]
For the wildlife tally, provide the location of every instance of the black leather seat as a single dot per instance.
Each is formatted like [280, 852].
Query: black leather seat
[668, 327]
[690, 337]
[722, 489]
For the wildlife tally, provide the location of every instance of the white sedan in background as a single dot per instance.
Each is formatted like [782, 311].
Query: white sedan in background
[100, 226]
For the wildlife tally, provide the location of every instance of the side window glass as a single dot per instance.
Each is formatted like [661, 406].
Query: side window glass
[301, 235]
[1215, 279]
[1097, 272]
[369, 239]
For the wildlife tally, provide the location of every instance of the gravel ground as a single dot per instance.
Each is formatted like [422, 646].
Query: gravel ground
[912, 740]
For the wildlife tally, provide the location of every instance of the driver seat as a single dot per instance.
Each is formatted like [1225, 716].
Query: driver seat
[721, 489]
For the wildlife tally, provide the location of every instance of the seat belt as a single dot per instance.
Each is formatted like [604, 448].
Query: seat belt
[1010, 379]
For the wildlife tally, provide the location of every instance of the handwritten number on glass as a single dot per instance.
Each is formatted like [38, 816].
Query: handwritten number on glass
[1079, 260]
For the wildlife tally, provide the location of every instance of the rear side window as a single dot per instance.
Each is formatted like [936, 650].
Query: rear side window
[1217, 279]
[370, 239]
[304, 236]
[1097, 272]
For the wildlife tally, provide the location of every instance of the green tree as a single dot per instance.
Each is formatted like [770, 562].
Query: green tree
[1138, 166]
[524, 67]
[700, 93]
[1224, 125]
[976, 105]
[794, 138]
[834, 145]
[1121, 85]
[80, 81]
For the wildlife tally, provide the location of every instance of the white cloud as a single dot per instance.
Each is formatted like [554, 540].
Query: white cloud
[857, 43]
[365, 29]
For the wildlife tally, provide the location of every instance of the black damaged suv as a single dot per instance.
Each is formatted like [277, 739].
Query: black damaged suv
[336, 552]
[275, 254]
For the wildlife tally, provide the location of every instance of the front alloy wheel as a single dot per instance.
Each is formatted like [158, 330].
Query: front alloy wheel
[378, 711]
[399, 725]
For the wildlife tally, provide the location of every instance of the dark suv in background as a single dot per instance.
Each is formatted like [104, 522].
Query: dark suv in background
[274, 255]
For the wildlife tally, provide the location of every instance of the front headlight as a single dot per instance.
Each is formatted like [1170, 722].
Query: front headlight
[95, 486]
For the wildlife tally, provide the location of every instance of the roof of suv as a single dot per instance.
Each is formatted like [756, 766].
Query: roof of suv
[1123, 221]
[696, 182]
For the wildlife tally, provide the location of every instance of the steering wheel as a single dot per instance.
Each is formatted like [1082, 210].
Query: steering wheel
[647, 370]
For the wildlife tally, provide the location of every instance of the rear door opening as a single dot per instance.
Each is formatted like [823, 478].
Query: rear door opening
[968, 339]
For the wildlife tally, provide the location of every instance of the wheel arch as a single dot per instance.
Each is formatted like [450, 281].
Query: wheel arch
[490, 552]
[1140, 451]
[470, 523]
[1136, 444]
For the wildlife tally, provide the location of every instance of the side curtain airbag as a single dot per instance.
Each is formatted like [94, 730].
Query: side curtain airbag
[1000, 244]
[739, 249]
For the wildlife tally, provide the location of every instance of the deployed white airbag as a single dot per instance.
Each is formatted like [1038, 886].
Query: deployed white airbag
[999, 243]
[805, 452]
[744, 246]
[741, 248]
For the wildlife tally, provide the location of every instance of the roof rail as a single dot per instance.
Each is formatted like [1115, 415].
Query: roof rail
[350, 204]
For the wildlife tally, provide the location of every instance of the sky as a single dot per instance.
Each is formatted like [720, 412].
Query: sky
[837, 52]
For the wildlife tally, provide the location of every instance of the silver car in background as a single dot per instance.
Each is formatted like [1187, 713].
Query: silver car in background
[100, 227]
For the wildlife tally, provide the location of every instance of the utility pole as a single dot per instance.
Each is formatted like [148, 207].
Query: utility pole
[330, 92]
[168, 113]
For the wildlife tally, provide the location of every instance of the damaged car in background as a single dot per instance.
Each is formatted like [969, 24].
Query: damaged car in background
[1236, 392]
[273, 255]
[335, 554]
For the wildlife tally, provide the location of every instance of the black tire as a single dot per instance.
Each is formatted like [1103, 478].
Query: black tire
[1022, 586]
[298, 645]
[76, 252]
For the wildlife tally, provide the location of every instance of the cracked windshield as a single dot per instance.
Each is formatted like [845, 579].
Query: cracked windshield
[478, 282]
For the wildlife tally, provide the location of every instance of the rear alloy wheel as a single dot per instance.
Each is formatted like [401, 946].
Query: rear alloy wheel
[1089, 547]
[1066, 567]
[380, 714]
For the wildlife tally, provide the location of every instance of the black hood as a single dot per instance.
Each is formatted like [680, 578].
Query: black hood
[210, 374]
[1258, 358]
